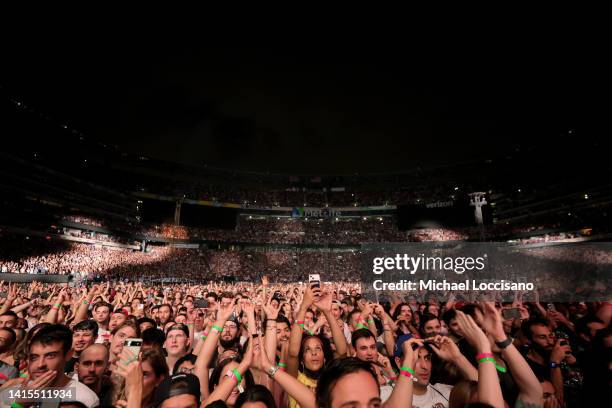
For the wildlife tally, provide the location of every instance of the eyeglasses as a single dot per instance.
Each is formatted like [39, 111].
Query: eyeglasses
[185, 370]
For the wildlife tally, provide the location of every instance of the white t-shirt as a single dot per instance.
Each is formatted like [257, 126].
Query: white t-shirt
[347, 332]
[103, 335]
[433, 399]
[84, 394]
[385, 392]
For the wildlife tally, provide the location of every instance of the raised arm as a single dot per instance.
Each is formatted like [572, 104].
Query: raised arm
[489, 389]
[51, 317]
[23, 306]
[366, 315]
[298, 391]
[227, 384]
[133, 375]
[447, 350]
[270, 329]
[10, 298]
[81, 313]
[388, 328]
[401, 397]
[530, 390]
[324, 304]
[297, 331]
[210, 344]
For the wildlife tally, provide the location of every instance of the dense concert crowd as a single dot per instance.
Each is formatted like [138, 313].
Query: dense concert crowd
[284, 230]
[336, 231]
[159, 262]
[225, 327]
[296, 344]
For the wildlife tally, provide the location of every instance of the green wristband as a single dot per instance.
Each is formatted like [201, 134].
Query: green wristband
[360, 326]
[238, 375]
[482, 360]
[497, 366]
[410, 370]
[282, 365]
[217, 328]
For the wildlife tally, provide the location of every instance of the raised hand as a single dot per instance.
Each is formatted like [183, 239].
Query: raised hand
[126, 357]
[445, 348]
[95, 291]
[225, 311]
[379, 311]
[411, 355]
[44, 380]
[324, 302]
[492, 321]
[311, 294]
[260, 359]
[559, 352]
[12, 292]
[558, 317]
[473, 334]
[271, 310]
[385, 362]
[365, 307]
[133, 376]
[247, 358]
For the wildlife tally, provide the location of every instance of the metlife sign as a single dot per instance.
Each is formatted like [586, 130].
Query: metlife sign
[301, 212]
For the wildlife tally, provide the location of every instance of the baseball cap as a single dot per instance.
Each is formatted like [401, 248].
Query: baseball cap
[178, 326]
[397, 351]
[122, 311]
[178, 384]
[234, 319]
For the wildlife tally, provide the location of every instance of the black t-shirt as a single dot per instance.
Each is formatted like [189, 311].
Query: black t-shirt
[542, 372]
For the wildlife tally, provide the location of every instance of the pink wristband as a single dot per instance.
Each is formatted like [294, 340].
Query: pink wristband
[484, 355]
[405, 373]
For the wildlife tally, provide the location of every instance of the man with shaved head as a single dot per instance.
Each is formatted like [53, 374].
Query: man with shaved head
[91, 369]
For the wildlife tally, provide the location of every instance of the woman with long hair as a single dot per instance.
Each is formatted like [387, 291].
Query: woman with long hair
[309, 354]
[403, 318]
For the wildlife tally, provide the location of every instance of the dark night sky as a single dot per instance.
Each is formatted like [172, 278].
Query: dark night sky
[317, 106]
